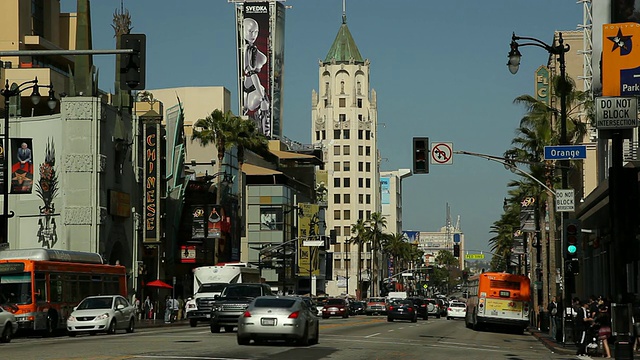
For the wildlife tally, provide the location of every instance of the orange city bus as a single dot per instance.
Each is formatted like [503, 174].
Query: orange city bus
[41, 286]
[498, 298]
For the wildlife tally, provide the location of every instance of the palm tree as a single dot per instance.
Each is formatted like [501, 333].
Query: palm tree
[359, 231]
[377, 222]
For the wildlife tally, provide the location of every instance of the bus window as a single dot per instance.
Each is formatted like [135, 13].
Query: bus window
[41, 287]
[56, 288]
[15, 289]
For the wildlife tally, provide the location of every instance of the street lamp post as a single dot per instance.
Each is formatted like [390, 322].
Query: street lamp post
[7, 93]
[514, 63]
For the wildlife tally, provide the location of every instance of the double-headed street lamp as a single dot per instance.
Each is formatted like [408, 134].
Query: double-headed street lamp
[8, 93]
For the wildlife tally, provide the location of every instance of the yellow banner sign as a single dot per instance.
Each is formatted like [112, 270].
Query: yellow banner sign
[474, 256]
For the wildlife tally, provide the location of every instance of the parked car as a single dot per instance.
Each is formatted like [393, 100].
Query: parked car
[376, 306]
[402, 310]
[456, 309]
[278, 317]
[106, 313]
[356, 307]
[433, 308]
[335, 307]
[8, 325]
[421, 307]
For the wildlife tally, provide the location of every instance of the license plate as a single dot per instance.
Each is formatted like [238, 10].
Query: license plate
[333, 313]
[400, 310]
[268, 322]
[208, 316]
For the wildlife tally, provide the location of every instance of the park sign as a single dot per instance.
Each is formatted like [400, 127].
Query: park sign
[616, 112]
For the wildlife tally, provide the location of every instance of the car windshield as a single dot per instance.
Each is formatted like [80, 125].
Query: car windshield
[242, 291]
[402, 302]
[15, 289]
[457, 305]
[376, 299]
[335, 302]
[274, 303]
[209, 288]
[96, 303]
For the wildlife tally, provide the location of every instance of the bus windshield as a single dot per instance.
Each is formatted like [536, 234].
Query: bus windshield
[15, 289]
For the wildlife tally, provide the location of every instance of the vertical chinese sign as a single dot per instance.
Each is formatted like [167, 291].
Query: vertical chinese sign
[152, 186]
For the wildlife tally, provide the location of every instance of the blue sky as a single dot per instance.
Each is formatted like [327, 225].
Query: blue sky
[438, 67]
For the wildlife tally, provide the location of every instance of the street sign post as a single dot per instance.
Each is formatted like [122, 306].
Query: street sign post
[474, 256]
[565, 152]
[441, 153]
[616, 112]
[565, 200]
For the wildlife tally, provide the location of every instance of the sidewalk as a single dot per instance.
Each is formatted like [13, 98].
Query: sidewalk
[151, 323]
[565, 349]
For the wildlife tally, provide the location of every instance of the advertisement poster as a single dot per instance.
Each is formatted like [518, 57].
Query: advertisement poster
[322, 192]
[308, 229]
[152, 186]
[22, 166]
[278, 68]
[255, 65]
[385, 191]
[620, 59]
[197, 224]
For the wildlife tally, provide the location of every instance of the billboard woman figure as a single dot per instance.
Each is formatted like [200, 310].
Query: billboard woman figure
[255, 98]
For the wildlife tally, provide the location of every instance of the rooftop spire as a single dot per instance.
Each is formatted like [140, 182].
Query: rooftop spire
[344, 48]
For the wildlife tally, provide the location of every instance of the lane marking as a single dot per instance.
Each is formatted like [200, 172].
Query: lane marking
[372, 335]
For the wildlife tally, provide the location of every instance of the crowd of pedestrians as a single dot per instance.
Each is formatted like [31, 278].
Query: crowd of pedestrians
[173, 309]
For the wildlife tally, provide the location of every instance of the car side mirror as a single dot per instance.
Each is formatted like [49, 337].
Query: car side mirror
[216, 296]
[120, 307]
[75, 308]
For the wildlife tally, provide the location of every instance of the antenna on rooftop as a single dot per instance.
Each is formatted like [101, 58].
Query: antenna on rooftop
[344, 11]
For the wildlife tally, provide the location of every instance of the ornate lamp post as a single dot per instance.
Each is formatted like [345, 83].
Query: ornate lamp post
[7, 93]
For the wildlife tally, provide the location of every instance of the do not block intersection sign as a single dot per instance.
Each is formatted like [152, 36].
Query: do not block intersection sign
[565, 200]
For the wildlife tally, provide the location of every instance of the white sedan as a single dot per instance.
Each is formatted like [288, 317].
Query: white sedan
[8, 325]
[456, 310]
[106, 313]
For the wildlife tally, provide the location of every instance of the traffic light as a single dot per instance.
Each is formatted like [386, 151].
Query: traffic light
[132, 66]
[456, 250]
[420, 150]
[572, 235]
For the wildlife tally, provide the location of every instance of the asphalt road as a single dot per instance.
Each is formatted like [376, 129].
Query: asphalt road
[360, 337]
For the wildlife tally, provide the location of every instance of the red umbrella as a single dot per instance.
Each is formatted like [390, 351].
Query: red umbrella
[159, 284]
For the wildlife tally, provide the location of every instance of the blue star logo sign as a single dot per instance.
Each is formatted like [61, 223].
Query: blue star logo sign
[622, 42]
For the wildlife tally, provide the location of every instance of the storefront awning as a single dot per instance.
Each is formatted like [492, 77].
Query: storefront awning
[251, 169]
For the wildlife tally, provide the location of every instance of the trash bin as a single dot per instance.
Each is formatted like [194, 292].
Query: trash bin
[544, 321]
[622, 329]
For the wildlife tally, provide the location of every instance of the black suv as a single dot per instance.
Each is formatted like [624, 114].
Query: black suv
[229, 306]
[421, 306]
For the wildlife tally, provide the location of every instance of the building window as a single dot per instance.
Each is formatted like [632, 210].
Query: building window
[317, 135]
[360, 182]
[368, 151]
[368, 135]
[37, 13]
[368, 214]
[347, 182]
[359, 103]
[346, 150]
[342, 117]
[368, 167]
[361, 214]
[347, 231]
[342, 87]
[336, 182]
[337, 230]
[336, 166]
[326, 103]
[336, 247]
[336, 198]
[347, 198]
[342, 102]
[336, 134]
[324, 135]
[360, 118]
[360, 198]
[336, 214]
[347, 215]
[346, 135]
[347, 247]
[360, 166]
[368, 199]
[346, 166]
[368, 183]
[360, 150]
[336, 150]
[271, 218]
[360, 134]
[326, 89]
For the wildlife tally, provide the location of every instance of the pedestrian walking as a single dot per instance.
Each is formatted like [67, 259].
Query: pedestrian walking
[603, 322]
[552, 308]
[180, 307]
[583, 323]
[147, 308]
[168, 309]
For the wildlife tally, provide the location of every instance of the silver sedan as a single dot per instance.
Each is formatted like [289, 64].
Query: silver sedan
[8, 325]
[278, 318]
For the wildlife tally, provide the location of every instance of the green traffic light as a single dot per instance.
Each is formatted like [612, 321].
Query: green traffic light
[572, 249]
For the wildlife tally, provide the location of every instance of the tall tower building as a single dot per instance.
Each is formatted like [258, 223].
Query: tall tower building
[344, 122]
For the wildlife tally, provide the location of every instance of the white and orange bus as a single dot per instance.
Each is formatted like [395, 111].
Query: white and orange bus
[498, 298]
[41, 286]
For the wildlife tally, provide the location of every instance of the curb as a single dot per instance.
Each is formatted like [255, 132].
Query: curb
[144, 324]
[545, 339]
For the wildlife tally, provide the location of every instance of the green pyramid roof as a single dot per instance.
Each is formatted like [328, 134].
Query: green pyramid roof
[344, 47]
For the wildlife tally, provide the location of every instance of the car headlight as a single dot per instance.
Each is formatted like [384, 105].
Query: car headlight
[191, 306]
[71, 318]
[103, 316]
